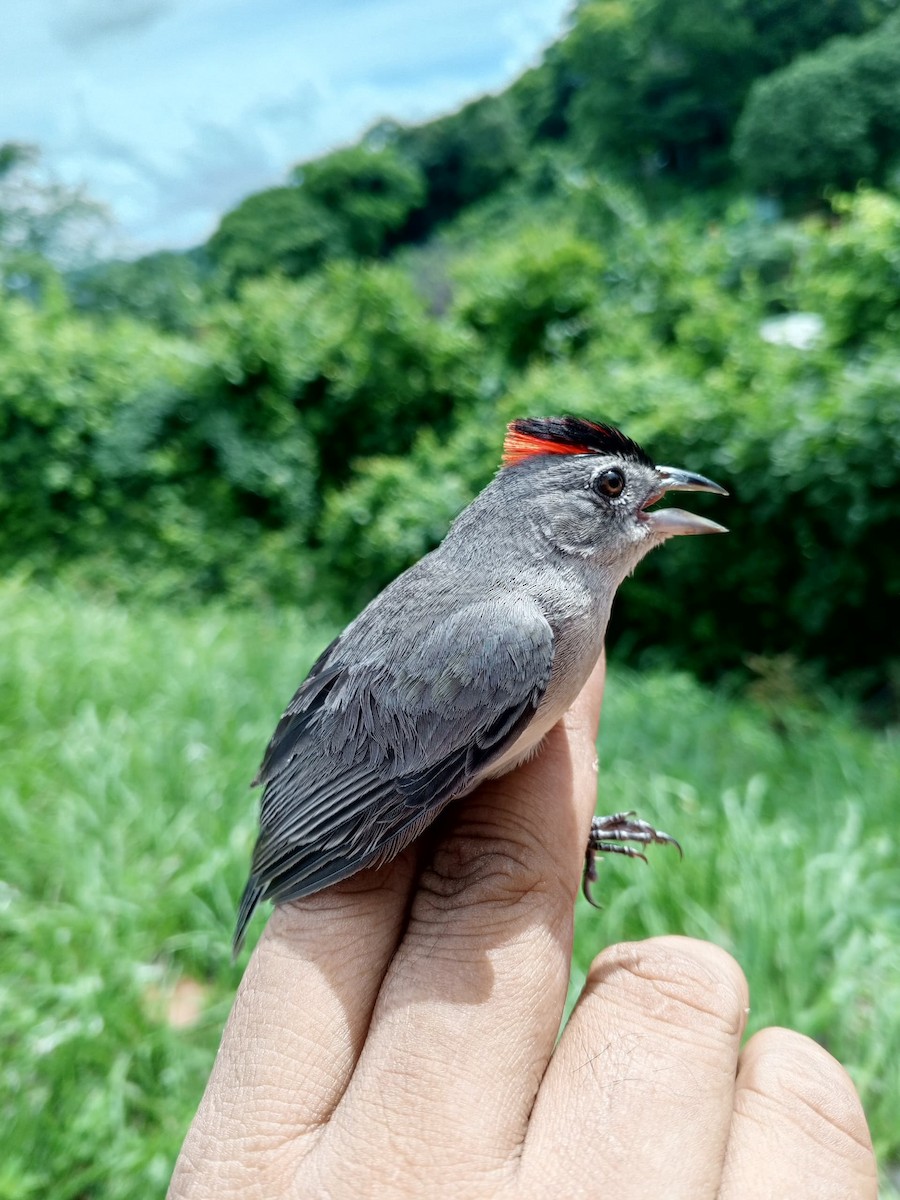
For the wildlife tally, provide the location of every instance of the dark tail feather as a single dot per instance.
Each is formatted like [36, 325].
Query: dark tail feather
[251, 897]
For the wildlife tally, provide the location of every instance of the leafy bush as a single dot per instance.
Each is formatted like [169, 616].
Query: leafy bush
[315, 436]
[62, 382]
[830, 118]
[849, 269]
[463, 157]
[114, 457]
[813, 464]
[662, 83]
[370, 191]
[346, 204]
[394, 510]
[180, 467]
[166, 289]
[531, 296]
[281, 229]
[350, 354]
[807, 440]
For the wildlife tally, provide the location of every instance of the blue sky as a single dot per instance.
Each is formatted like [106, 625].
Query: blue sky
[169, 111]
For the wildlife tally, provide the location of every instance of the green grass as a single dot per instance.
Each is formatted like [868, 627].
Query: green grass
[127, 740]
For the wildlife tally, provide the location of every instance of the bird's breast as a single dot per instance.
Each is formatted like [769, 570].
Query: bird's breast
[578, 643]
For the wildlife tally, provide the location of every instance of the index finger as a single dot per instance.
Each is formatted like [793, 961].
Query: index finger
[294, 1034]
[474, 995]
[302, 1013]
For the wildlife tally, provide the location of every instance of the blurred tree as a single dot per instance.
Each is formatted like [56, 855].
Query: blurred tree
[351, 353]
[42, 218]
[369, 190]
[849, 270]
[166, 289]
[812, 458]
[541, 96]
[281, 229]
[830, 118]
[62, 380]
[530, 296]
[463, 157]
[661, 82]
[45, 227]
[393, 510]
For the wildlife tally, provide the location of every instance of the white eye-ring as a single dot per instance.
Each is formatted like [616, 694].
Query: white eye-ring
[610, 482]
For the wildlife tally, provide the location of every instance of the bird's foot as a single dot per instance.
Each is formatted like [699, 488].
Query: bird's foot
[609, 835]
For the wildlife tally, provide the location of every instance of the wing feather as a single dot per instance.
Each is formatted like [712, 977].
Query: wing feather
[370, 750]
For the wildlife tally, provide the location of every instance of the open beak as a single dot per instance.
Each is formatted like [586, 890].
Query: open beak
[669, 521]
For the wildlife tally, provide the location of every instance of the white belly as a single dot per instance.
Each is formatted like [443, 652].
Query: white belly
[525, 746]
[556, 703]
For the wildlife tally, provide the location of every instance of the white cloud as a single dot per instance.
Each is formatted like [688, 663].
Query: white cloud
[170, 111]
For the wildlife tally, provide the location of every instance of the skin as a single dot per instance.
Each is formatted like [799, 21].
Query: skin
[396, 1036]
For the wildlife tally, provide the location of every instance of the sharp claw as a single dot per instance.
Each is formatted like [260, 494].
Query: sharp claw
[606, 836]
[589, 876]
[588, 895]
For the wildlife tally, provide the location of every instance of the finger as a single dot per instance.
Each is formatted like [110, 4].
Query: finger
[294, 1034]
[798, 1127]
[470, 1007]
[637, 1099]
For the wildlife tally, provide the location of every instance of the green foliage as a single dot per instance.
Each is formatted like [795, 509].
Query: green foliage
[652, 87]
[350, 354]
[850, 270]
[112, 450]
[180, 468]
[463, 157]
[808, 442]
[370, 191]
[348, 203]
[530, 296]
[812, 461]
[139, 810]
[830, 118]
[664, 81]
[62, 381]
[166, 289]
[541, 96]
[281, 229]
[129, 737]
[806, 127]
[308, 437]
[330, 428]
[40, 218]
[394, 510]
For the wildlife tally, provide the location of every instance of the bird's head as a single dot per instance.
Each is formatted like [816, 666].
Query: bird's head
[595, 489]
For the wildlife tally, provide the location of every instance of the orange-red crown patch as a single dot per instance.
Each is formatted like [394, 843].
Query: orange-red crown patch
[528, 438]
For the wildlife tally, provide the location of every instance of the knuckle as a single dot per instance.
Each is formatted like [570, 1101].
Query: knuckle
[678, 982]
[811, 1089]
[484, 868]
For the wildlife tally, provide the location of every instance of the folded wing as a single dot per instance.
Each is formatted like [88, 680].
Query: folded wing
[373, 746]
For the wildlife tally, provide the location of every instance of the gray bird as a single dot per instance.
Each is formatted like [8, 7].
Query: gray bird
[457, 670]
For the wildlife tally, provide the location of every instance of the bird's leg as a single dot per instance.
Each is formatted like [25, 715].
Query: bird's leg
[608, 835]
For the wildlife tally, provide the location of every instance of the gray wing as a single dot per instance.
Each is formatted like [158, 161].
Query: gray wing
[371, 748]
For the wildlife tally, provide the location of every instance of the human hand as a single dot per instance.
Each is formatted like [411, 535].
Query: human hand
[395, 1036]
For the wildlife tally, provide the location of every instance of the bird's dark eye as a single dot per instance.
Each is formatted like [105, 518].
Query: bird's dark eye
[610, 482]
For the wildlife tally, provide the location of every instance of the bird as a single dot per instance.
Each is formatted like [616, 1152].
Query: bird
[457, 670]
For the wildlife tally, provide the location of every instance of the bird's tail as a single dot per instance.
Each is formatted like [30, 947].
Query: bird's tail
[251, 897]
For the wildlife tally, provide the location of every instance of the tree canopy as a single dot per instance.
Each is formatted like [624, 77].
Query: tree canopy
[295, 411]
